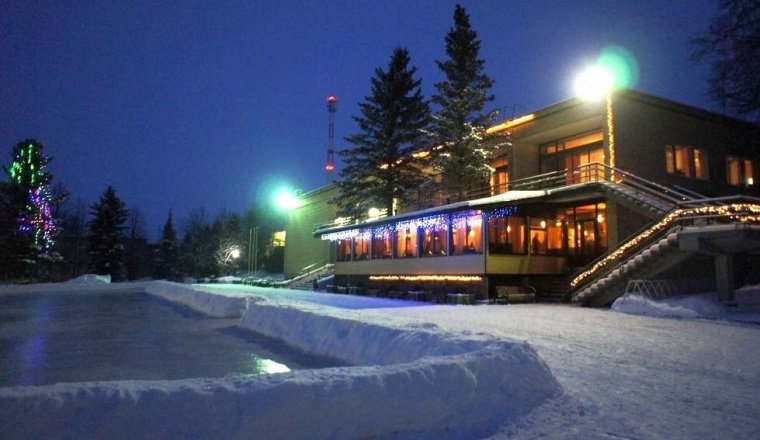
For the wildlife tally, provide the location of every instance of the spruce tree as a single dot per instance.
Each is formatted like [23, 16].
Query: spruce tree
[382, 167]
[459, 124]
[166, 258]
[27, 226]
[106, 235]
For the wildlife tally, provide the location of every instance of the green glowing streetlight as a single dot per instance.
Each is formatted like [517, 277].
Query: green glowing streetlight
[287, 200]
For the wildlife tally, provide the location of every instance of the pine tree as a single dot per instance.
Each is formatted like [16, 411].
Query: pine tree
[27, 226]
[166, 258]
[106, 235]
[382, 167]
[459, 125]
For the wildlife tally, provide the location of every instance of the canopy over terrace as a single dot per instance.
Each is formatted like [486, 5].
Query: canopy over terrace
[324, 231]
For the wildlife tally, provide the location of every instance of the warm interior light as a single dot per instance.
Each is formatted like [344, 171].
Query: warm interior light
[511, 123]
[373, 213]
[457, 278]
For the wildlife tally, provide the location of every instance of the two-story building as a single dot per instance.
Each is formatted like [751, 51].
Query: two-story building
[567, 204]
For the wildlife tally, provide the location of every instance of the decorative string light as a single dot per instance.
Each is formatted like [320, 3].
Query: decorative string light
[413, 278]
[466, 219]
[737, 212]
[501, 212]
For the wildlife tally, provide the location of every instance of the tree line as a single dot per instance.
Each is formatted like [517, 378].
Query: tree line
[46, 237]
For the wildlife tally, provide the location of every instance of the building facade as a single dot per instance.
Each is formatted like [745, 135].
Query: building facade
[578, 181]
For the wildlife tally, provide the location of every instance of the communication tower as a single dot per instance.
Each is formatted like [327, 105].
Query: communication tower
[332, 103]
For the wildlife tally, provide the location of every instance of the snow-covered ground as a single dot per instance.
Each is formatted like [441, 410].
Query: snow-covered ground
[677, 368]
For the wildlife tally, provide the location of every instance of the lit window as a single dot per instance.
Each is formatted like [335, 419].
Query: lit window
[739, 172]
[686, 161]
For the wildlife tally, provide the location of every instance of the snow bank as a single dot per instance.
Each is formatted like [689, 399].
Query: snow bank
[218, 305]
[410, 383]
[692, 306]
[746, 307]
[82, 284]
[91, 279]
[452, 396]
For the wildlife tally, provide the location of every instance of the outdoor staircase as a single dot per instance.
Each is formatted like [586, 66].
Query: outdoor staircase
[305, 280]
[717, 226]
[552, 290]
[649, 204]
[653, 260]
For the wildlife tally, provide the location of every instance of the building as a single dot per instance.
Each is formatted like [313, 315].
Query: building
[582, 193]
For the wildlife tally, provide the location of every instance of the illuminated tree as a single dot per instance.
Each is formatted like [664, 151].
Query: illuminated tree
[106, 235]
[732, 47]
[382, 166]
[459, 125]
[27, 223]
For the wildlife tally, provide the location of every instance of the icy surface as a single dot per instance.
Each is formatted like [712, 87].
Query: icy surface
[439, 371]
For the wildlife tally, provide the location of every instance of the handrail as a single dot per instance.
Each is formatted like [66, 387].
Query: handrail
[726, 213]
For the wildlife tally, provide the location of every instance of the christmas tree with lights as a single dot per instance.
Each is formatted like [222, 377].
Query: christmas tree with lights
[31, 229]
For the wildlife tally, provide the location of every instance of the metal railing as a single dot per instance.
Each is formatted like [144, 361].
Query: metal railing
[642, 189]
[693, 212]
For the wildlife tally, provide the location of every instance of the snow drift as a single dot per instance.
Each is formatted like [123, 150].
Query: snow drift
[407, 382]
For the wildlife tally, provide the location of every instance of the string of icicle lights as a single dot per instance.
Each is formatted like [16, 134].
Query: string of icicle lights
[738, 212]
[459, 220]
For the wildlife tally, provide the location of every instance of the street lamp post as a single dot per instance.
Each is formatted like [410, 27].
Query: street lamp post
[253, 235]
[594, 84]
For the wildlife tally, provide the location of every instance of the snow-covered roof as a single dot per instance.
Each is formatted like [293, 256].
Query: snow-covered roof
[509, 196]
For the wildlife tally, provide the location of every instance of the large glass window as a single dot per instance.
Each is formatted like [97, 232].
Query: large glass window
[538, 236]
[361, 247]
[406, 242]
[382, 246]
[506, 235]
[587, 229]
[466, 233]
[344, 249]
[686, 161]
[739, 171]
[500, 177]
[570, 154]
[434, 240]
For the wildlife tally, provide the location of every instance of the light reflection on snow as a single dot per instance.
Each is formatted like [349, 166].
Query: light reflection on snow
[268, 366]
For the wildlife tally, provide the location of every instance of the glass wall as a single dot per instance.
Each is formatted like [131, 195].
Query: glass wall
[344, 249]
[506, 235]
[434, 240]
[406, 242]
[466, 233]
[587, 229]
[361, 247]
[382, 246]
[569, 154]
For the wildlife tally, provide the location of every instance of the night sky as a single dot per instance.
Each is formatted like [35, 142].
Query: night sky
[188, 104]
